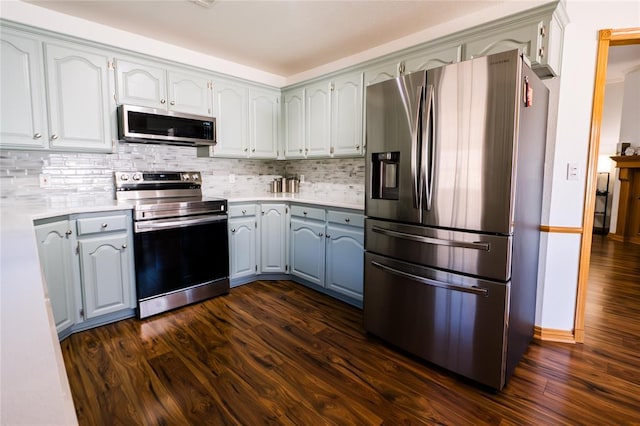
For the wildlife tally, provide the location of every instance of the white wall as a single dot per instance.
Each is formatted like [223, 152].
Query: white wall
[609, 138]
[560, 252]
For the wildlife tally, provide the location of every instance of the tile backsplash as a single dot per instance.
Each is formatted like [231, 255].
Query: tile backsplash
[40, 175]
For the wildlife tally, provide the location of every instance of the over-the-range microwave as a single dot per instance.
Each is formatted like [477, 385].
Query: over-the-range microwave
[151, 125]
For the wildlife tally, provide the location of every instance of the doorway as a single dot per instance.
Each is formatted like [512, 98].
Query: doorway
[607, 38]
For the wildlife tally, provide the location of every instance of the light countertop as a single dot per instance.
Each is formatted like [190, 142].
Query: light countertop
[34, 388]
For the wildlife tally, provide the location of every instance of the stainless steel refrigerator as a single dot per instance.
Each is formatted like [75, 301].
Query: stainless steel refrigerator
[454, 193]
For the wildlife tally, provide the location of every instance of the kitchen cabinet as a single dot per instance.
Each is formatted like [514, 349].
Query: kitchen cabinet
[539, 35]
[346, 115]
[264, 121]
[307, 249]
[231, 110]
[56, 258]
[293, 128]
[317, 113]
[151, 85]
[431, 58]
[380, 72]
[243, 241]
[23, 122]
[327, 249]
[87, 262]
[55, 96]
[79, 87]
[345, 254]
[105, 249]
[273, 242]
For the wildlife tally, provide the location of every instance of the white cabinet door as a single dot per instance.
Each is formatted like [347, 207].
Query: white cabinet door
[80, 104]
[23, 120]
[141, 84]
[190, 93]
[105, 263]
[264, 113]
[346, 115]
[345, 260]
[56, 259]
[317, 120]
[307, 249]
[525, 37]
[231, 111]
[273, 244]
[381, 72]
[242, 247]
[433, 58]
[294, 123]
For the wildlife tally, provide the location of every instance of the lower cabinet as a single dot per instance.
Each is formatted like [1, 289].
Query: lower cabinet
[87, 261]
[327, 249]
[257, 241]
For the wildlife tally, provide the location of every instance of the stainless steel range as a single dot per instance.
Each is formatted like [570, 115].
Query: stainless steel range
[181, 244]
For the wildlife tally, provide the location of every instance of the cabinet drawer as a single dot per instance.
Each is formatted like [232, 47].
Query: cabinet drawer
[240, 210]
[102, 224]
[308, 212]
[345, 218]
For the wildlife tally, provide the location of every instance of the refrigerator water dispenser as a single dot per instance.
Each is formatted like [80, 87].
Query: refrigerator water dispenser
[384, 175]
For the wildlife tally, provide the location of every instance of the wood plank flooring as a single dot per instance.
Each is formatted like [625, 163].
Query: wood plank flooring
[279, 353]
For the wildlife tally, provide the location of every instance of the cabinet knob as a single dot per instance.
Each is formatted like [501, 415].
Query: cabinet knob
[68, 232]
[304, 213]
[300, 150]
[347, 220]
[244, 211]
[37, 136]
[104, 225]
[233, 230]
[246, 149]
[320, 234]
[162, 101]
[124, 246]
[357, 146]
[253, 150]
[172, 102]
[54, 137]
[327, 236]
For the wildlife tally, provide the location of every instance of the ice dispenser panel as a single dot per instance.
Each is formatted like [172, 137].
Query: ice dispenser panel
[384, 175]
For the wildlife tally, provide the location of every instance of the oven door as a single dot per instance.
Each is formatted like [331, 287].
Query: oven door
[178, 254]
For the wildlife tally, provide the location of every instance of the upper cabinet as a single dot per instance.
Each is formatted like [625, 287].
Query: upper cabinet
[23, 122]
[264, 122]
[431, 58]
[80, 105]
[66, 108]
[324, 119]
[150, 85]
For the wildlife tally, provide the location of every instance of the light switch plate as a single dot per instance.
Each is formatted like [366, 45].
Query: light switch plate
[232, 178]
[573, 171]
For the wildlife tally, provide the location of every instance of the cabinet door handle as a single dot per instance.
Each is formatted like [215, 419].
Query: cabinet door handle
[320, 234]
[347, 220]
[124, 246]
[37, 136]
[253, 150]
[104, 225]
[327, 236]
[172, 102]
[69, 232]
[54, 137]
[233, 230]
[162, 101]
[304, 213]
[244, 211]
[246, 149]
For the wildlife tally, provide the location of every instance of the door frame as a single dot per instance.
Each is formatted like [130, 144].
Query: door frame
[606, 38]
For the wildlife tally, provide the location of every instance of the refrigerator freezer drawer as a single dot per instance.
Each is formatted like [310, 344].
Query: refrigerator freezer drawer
[454, 321]
[475, 254]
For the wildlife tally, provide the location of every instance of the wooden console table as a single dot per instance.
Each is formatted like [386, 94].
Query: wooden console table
[628, 226]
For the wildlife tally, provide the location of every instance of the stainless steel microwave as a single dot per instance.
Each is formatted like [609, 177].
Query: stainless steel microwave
[150, 125]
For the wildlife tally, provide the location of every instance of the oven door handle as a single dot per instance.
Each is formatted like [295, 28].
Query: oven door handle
[160, 224]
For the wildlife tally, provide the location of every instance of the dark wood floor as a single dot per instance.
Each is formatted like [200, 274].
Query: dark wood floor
[278, 353]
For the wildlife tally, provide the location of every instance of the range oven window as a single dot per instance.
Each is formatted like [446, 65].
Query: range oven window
[172, 259]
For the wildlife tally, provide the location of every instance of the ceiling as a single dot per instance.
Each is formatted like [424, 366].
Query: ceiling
[280, 37]
[621, 60]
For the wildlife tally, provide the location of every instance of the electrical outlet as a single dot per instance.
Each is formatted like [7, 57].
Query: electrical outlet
[301, 178]
[45, 182]
[232, 178]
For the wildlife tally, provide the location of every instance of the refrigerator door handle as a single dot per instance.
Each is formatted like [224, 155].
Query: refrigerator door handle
[428, 240]
[473, 290]
[428, 136]
[416, 182]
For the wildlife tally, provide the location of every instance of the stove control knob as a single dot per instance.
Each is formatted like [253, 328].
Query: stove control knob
[124, 177]
[195, 176]
[186, 176]
[137, 176]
